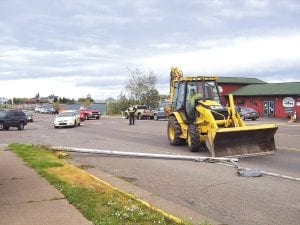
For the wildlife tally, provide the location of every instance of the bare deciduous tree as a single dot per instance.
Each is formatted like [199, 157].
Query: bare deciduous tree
[141, 87]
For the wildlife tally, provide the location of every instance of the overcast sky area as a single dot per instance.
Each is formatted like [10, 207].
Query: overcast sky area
[72, 48]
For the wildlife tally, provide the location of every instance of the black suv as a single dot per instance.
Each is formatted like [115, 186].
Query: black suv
[12, 118]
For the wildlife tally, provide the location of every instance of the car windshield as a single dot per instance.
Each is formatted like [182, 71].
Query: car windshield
[246, 109]
[251, 110]
[3, 113]
[162, 105]
[66, 114]
[211, 91]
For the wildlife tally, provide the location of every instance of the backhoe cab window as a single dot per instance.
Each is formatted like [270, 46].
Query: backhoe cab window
[211, 91]
[194, 92]
[179, 95]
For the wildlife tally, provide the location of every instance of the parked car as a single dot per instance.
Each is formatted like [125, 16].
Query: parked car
[160, 112]
[89, 113]
[45, 110]
[69, 118]
[12, 118]
[38, 109]
[248, 113]
[142, 112]
[29, 115]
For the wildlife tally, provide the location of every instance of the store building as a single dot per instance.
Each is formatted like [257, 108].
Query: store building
[269, 99]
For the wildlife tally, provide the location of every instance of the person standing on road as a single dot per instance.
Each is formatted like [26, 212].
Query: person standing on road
[131, 111]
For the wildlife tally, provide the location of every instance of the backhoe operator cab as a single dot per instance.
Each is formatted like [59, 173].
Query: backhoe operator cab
[191, 92]
[197, 117]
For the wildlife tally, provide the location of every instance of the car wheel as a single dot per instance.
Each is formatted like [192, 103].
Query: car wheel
[21, 126]
[155, 117]
[254, 118]
[6, 128]
[1, 126]
[98, 117]
[55, 127]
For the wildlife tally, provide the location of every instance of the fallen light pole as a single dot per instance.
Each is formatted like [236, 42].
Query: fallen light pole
[144, 155]
[233, 161]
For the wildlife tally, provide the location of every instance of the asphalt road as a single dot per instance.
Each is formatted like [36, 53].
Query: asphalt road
[211, 189]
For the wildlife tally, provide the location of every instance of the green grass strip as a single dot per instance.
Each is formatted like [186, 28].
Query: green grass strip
[100, 205]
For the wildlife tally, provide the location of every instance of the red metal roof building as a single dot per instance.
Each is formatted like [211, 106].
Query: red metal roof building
[269, 99]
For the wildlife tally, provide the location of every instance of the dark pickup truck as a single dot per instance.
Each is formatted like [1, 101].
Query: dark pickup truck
[12, 118]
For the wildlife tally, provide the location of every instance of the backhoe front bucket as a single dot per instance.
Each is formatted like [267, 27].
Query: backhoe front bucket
[242, 141]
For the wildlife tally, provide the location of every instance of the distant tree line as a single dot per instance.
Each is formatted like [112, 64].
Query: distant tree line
[139, 90]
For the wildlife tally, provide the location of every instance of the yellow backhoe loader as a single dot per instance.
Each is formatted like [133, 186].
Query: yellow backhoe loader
[197, 117]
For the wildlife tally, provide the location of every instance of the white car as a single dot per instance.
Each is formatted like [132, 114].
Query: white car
[68, 118]
[38, 109]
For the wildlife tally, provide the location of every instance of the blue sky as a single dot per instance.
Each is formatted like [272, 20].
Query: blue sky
[72, 48]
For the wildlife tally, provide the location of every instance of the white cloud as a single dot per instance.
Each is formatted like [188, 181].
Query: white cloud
[240, 54]
[61, 86]
[72, 48]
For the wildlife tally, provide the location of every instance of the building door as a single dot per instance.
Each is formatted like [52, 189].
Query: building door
[268, 109]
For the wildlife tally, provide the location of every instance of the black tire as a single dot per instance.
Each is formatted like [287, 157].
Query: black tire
[97, 118]
[174, 132]
[6, 128]
[254, 118]
[56, 127]
[193, 138]
[155, 117]
[21, 126]
[1, 125]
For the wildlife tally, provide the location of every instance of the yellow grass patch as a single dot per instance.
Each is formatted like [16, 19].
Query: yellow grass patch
[76, 176]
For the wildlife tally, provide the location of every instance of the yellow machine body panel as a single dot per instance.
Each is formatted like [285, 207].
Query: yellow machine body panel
[220, 128]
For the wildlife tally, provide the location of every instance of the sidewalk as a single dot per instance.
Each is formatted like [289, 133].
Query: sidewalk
[27, 198]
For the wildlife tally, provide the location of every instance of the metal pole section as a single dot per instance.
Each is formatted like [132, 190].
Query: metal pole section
[142, 154]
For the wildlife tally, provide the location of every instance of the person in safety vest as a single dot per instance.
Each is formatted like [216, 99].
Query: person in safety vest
[193, 95]
[131, 111]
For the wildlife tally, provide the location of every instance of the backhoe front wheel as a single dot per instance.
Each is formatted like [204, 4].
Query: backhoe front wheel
[193, 138]
[174, 132]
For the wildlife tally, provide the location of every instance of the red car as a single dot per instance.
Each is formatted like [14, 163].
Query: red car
[87, 113]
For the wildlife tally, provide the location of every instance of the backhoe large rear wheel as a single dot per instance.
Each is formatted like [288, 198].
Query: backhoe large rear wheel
[174, 132]
[193, 138]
